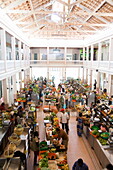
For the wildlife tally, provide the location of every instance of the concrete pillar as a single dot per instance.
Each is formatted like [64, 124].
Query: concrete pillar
[5, 91]
[13, 50]
[3, 48]
[90, 78]
[83, 74]
[19, 47]
[48, 73]
[47, 55]
[65, 53]
[86, 76]
[24, 54]
[83, 53]
[87, 53]
[99, 52]
[98, 81]
[28, 74]
[109, 85]
[14, 86]
[92, 53]
[64, 73]
[110, 51]
[20, 79]
[78, 72]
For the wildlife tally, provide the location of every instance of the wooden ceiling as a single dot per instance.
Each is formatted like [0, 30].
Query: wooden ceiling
[78, 19]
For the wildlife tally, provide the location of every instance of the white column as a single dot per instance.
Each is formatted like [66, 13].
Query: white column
[99, 52]
[83, 74]
[78, 72]
[24, 50]
[87, 53]
[13, 49]
[47, 55]
[98, 81]
[14, 86]
[3, 48]
[92, 53]
[83, 53]
[109, 85]
[5, 91]
[91, 78]
[65, 53]
[86, 75]
[19, 47]
[30, 73]
[20, 79]
[110, 51]
[48, 73]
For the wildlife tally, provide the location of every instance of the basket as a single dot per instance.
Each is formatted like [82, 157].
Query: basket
[8, 153]
[104, 135]
[14, 139]
[18, 131]
[12, 146]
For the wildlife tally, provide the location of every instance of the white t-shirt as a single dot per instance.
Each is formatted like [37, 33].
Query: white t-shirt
[64, 117]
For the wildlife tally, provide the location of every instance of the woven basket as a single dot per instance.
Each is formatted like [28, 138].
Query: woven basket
[18, 131]
[8, 153]
[14, 139]
[12, 146]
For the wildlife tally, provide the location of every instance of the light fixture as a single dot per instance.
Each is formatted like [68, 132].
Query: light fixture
[56, 49]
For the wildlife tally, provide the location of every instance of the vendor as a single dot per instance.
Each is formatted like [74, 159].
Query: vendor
[2, 106]
[62, 135]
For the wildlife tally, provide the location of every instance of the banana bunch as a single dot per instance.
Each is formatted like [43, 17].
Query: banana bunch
[65, 167]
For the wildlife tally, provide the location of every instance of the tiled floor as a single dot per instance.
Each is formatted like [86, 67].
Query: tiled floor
[78, 146]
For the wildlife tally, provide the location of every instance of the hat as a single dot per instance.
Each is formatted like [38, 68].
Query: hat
[62, 110]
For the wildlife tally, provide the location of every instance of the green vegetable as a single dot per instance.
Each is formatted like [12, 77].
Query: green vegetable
[19, 126]
[94, 132]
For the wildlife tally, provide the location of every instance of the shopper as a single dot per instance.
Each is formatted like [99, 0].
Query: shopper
[80, 165]
[2, 106]
[109, 167]
[64, 120]
[62, 135]
[35, 146]
[79, 124]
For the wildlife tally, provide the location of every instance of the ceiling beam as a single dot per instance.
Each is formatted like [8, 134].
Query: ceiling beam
[76, 2]
[88, 24]
[62, 2]
[37, 11]
[14, 4]
[29, 12]
[34, 16]
[110, 2]
[96, 9]
[62, 30]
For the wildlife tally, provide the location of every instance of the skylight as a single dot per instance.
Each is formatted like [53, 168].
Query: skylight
[58, 7]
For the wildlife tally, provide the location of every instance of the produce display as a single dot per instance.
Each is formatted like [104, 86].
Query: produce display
[15, 139]
[43, 162]
[18, 129]
[21, 99]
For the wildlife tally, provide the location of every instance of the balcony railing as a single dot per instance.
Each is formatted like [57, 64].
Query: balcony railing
[56, 62]
[111, 65]
[2, 66]
[104, 64]
[10, 64]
